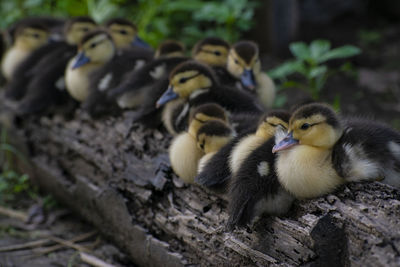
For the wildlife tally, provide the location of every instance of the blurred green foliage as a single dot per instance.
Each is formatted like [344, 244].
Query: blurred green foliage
[310, 62]
[187, 21]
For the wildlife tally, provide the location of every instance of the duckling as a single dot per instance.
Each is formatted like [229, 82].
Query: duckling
[184, 154]
[227, 161]
[255, 188]
[28, 37]
[40, 78]
[196, 84]
[214, 51]
[322, 152]
[244, 64]
[96, 49]
[211, 137]
[124, 33]
[114, 72]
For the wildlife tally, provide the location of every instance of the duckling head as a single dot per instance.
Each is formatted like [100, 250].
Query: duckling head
[244, 63]
[212, 51]
[96, 47]
[124, 33]
[315, 125]
[31, 36]
[271, 121]
[75, 28]
[203, 114]
[170, 48]
[186, 80]
[213, 135]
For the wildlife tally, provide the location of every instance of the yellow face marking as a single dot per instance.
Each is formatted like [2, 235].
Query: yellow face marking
[314, 131]
[214, 55]
[122, 35]
[77, 31]
[236, 65]
[187, 82]
[30, 38]
[99, 49]
[211, 143]
[198, 120]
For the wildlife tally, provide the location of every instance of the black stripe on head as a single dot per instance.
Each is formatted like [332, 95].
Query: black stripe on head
[214, 128]
[211, 110]
[210, 41]
[246, 50]
[309, 110]
[193, 65]
[170, 46]
[120, 21]
[30, 24]
[92, 34]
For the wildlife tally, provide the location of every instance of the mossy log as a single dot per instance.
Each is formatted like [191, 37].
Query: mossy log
[112, 172]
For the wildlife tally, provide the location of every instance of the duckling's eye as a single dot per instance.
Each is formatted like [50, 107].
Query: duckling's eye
[35, 35]
[85, 29]
[202, 145]
[123, 32]
[217, 53]
[182, 80]
[305, 126]
[236, 61]
[93, 45]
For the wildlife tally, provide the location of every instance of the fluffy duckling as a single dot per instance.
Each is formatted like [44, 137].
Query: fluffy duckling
[193, 84]
[184, 154]
[244, 63]
[214, 51]
[40, 78]
[170, 48]
[227, 161]
[124, 33]
[321, 152]
[211, 137]
[255, 188]
[28, 37]
[96, 49]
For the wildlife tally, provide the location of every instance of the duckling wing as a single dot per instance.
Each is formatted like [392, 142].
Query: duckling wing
[23, 74]
[47, 86]
[368, 150]
[216, 173]
[150, 73]
[255, 189]
[109, 76]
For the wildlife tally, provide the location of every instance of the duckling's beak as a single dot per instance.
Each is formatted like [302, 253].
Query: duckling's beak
[286, 143]
[247, 79]
[137, 41]
[167, 96]
[80, 60]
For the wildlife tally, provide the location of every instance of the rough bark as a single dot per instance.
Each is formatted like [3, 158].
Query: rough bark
[112, 173]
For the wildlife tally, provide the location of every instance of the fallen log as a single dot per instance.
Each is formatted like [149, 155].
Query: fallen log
[112, 173]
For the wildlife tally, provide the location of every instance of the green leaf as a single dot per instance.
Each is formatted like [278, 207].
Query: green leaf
[340, 52]
[318, 48]
[300, 50]
[286, 69]
[291, 84]
[318, 71]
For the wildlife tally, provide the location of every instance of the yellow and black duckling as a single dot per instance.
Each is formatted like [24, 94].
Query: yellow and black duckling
[226, 162]
[28, 37]
[184, 154]
[255, 188]
[321, 152]
[244, 63]
[170, 48]
[45, 81]
[214, 51]
[95, 49]
[211, 137]
[191, 84]
[42, 73]
[113, 72]
[125, 33]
